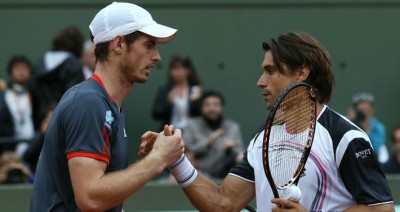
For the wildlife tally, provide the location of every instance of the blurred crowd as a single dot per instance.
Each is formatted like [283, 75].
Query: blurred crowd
[213, 142]
[30, 95]
[362, 114]
[32, 92]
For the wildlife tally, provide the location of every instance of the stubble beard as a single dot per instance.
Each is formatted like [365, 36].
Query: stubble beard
[125, 71]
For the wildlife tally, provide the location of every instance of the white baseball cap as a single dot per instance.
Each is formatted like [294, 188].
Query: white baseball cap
[124, 18]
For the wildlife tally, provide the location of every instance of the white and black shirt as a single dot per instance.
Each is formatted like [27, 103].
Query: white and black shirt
[341, 171]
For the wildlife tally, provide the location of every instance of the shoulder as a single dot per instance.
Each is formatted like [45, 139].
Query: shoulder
[256, 142]
[339, 128]
[335, 123]
[86, 91]
[85, 96]
[72, 64]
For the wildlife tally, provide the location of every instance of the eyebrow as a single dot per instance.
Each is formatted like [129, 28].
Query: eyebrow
[269, 67]
[150, 42]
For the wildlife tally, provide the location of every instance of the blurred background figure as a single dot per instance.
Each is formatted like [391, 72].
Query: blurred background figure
[60, 68]
[215, 141]
[12, 170]
[176, 101]
[362, 114]
[89, 60]
[3, 84]
[16, 106]
[32, 153]
[392, 166]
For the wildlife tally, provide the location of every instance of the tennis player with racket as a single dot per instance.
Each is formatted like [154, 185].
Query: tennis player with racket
[304, 142]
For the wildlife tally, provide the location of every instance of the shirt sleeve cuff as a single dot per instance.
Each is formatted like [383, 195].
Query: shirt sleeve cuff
[89, 155]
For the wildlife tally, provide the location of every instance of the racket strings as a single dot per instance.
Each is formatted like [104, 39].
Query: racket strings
[304, 107]
[289, 135]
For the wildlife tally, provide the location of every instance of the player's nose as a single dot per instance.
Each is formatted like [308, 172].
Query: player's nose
[261, 83]
[157, 56]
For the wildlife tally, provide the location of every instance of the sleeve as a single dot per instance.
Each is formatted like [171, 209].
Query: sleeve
[162, 109]
[362, 174]
[87, 132]
[243, 170]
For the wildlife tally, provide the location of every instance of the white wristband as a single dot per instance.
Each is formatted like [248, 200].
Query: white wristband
[183, 171]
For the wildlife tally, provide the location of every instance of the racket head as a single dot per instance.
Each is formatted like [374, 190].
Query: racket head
[288, 136]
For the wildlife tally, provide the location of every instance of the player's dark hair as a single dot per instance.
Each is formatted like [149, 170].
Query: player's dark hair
[187, 63]
[101, 49]
[18, 59]
[69, 39]
[212, 93]
[297, 49]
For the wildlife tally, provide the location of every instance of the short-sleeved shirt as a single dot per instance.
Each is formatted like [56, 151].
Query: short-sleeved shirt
[86, 123]
[341, 171]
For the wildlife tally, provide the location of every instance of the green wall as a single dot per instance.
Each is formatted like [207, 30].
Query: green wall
[153, 197]
[224, 39]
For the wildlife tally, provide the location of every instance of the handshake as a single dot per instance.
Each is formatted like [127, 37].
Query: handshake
[166, 146]
[167, 149]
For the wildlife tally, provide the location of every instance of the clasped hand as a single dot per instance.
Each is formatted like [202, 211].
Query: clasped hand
[167, 144]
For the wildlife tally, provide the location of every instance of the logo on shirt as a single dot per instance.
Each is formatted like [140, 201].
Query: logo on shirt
[109, 119]
[363, 154]
[125, 133]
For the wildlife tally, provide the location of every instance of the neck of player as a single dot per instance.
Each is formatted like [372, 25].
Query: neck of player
[109, 75]
[319, 108]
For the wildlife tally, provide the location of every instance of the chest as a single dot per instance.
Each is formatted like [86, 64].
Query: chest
[317, 178]
[118, 144]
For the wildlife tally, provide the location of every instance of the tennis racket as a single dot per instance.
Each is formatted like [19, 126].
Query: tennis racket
[288, 136]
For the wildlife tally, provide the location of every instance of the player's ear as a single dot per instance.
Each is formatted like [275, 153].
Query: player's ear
[302, 73]
[117, 44]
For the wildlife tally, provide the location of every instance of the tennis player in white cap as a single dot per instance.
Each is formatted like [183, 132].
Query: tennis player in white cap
[84, 161]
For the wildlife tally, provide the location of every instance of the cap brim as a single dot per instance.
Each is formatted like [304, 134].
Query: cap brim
[161, 32]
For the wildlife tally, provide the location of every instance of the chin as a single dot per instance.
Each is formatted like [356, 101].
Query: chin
[142, 80]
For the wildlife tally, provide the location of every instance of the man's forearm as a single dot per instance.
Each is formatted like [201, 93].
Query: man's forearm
[205, 195]
[113, 188]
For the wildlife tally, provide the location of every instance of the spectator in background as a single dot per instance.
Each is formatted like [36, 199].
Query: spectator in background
[89, 60]
[3, 84]
[392, 166]
[12, 170]
[31, 155]
[60, 68]
[362, 114]
[215, 141]
[16, 105]
[178, 100]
